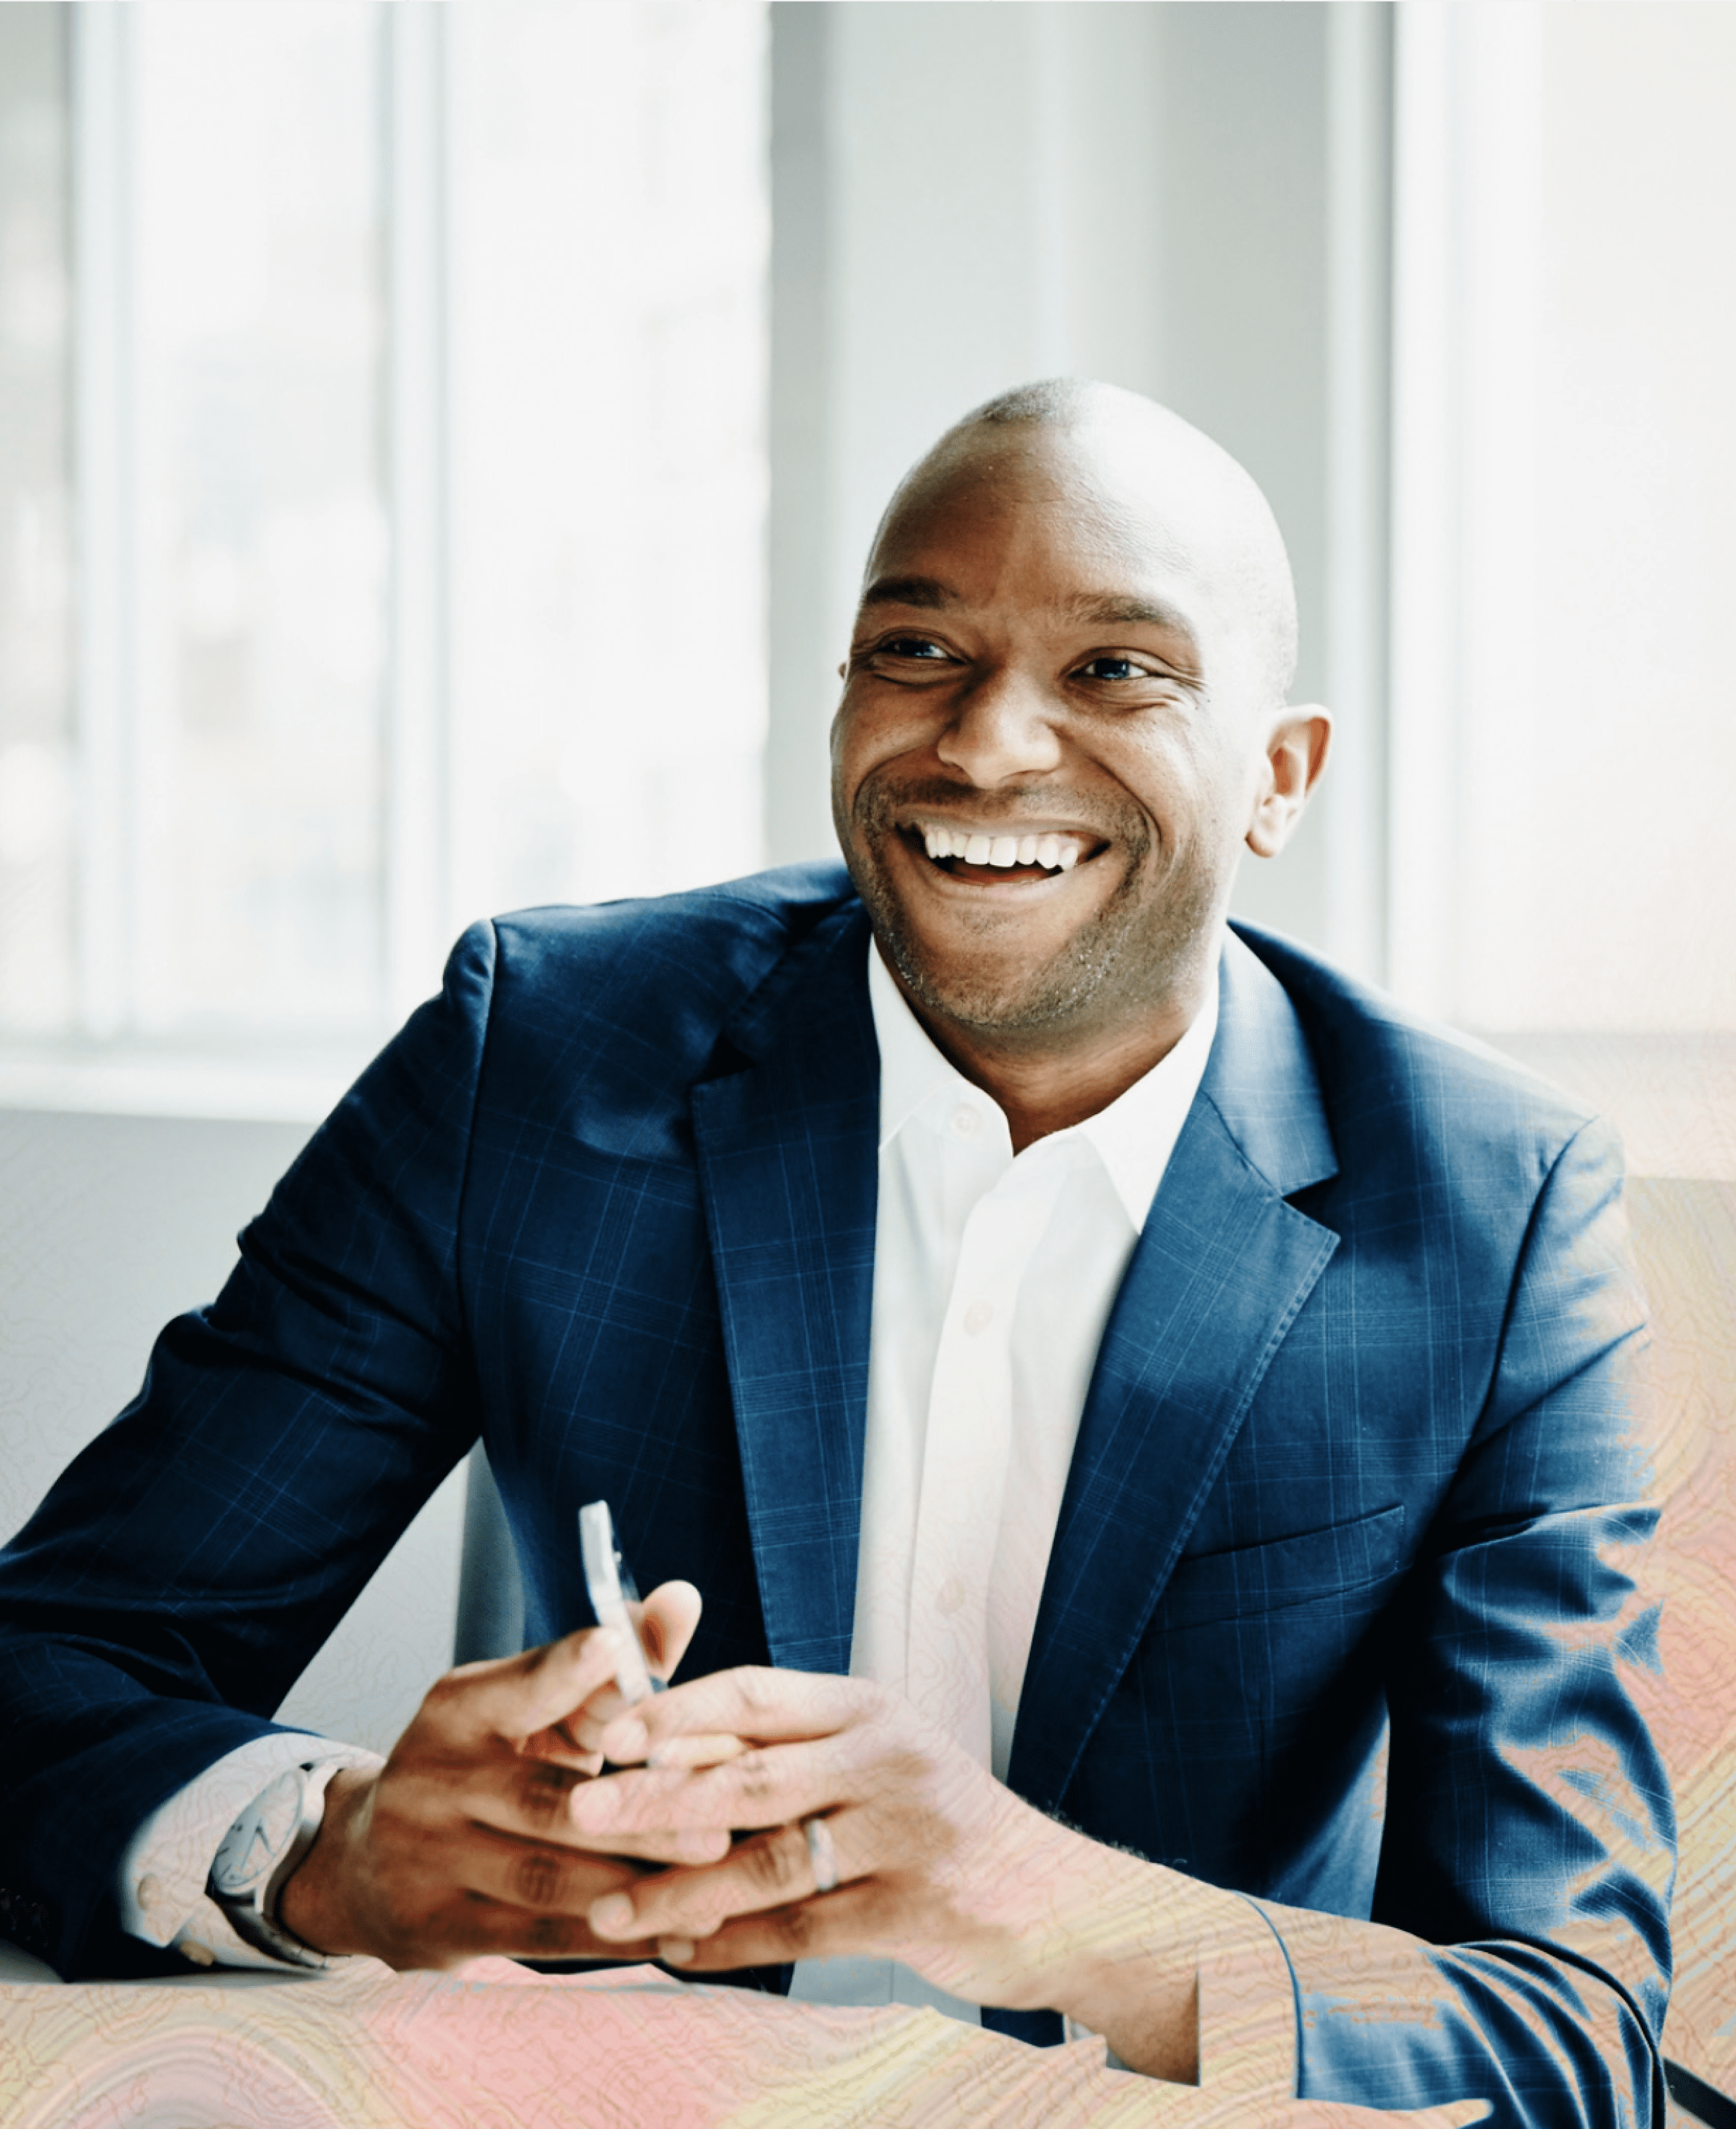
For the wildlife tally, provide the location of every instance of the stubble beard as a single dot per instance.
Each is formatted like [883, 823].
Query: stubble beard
[1127, 959]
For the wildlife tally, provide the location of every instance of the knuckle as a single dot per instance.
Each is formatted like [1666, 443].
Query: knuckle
[795, 1928]
[537, 1878]
[542, 1790]
[757, 1688]
[552, 1935]
[438, 1699]
[755, 1776]
[775, 1864]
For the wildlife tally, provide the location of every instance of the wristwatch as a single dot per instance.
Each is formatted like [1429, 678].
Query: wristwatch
[257, 1854]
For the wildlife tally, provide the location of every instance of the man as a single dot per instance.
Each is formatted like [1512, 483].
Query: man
[1169, 1379]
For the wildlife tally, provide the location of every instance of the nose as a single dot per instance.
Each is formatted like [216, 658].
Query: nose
[1002, 729]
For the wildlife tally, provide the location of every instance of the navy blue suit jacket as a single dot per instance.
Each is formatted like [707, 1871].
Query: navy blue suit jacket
[1342, 1606]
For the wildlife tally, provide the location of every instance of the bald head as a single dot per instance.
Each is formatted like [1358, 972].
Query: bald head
[1148, 476]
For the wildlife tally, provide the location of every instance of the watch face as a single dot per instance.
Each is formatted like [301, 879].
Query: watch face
[258, 1837]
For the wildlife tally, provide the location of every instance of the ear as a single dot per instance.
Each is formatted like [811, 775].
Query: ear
[1295, 754]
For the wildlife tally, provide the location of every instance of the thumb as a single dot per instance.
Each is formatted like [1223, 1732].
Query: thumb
[667, 1620]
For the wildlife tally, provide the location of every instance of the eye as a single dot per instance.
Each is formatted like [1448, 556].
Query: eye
[894, 652]
[1110, 665]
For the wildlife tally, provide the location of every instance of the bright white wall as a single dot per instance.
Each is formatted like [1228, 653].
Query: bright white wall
[1595, 854]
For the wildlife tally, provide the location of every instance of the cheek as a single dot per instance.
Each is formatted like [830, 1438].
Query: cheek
[865, 739]
[848, 765]
[858, 742]
[1200, 797]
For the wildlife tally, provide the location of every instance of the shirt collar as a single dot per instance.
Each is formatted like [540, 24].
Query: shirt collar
[1133, 1137]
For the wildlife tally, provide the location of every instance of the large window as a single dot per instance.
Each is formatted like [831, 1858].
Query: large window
[381, 469]
[1564, 705]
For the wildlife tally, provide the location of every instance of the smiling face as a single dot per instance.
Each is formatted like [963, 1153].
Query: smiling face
[1056, 728]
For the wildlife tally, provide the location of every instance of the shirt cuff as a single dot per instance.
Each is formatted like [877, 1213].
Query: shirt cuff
[1248, 2009]
[162, 1873]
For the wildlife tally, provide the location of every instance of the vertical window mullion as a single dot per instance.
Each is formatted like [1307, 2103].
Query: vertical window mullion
[1423, 758]
[1358, 475]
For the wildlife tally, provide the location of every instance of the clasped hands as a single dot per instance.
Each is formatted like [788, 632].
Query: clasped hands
[494, 1828]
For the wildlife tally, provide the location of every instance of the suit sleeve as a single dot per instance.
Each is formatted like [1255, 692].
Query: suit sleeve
[1528, 1847]
[183, 1570]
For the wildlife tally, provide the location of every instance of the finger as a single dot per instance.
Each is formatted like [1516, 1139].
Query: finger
[470, 1926]
[558, 1749]
[762, 1786]
[577, 1742]
[852, 1920]
[523, 1798]
[770, 1870]
[560, 1745]
[544, 1877]
[580, 1733]
[667, 1620]
[703, 1748]
[771, 1706]
[515, 1697]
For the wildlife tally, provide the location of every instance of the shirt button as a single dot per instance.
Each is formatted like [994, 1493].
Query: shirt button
[150, 1893]
[952, 1596]
[978, 1316]
[966, 1121]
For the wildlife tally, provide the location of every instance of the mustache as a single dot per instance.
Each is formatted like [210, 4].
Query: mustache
[880, 801]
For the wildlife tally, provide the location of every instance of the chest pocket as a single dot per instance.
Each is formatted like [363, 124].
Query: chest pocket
[1249, 1579]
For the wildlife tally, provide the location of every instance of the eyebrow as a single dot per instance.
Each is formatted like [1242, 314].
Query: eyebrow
[928, 592]
[1109, 612]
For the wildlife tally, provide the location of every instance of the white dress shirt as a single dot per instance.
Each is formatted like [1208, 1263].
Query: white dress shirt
[995, 1274]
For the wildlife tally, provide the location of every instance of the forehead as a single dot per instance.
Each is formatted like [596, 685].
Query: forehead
[1055, 520]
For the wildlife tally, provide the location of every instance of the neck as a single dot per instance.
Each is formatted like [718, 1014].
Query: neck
[1045, 1087]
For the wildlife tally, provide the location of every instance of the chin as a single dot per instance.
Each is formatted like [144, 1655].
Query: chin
[988, 996]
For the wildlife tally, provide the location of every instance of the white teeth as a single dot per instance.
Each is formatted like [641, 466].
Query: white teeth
[1053, 852]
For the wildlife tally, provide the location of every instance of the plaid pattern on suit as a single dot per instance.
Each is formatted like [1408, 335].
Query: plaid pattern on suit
[1343, 1600]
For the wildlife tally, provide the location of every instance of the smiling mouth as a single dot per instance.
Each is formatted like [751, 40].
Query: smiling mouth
[993, 857]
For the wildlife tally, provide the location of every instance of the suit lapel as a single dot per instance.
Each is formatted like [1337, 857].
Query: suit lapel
[788, 1165]
[1219, 1272]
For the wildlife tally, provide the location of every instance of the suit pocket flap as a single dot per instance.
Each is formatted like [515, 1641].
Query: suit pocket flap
[1252, 1579]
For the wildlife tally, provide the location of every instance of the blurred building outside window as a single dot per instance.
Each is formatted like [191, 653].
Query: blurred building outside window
[383, 474]
[37, 758]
